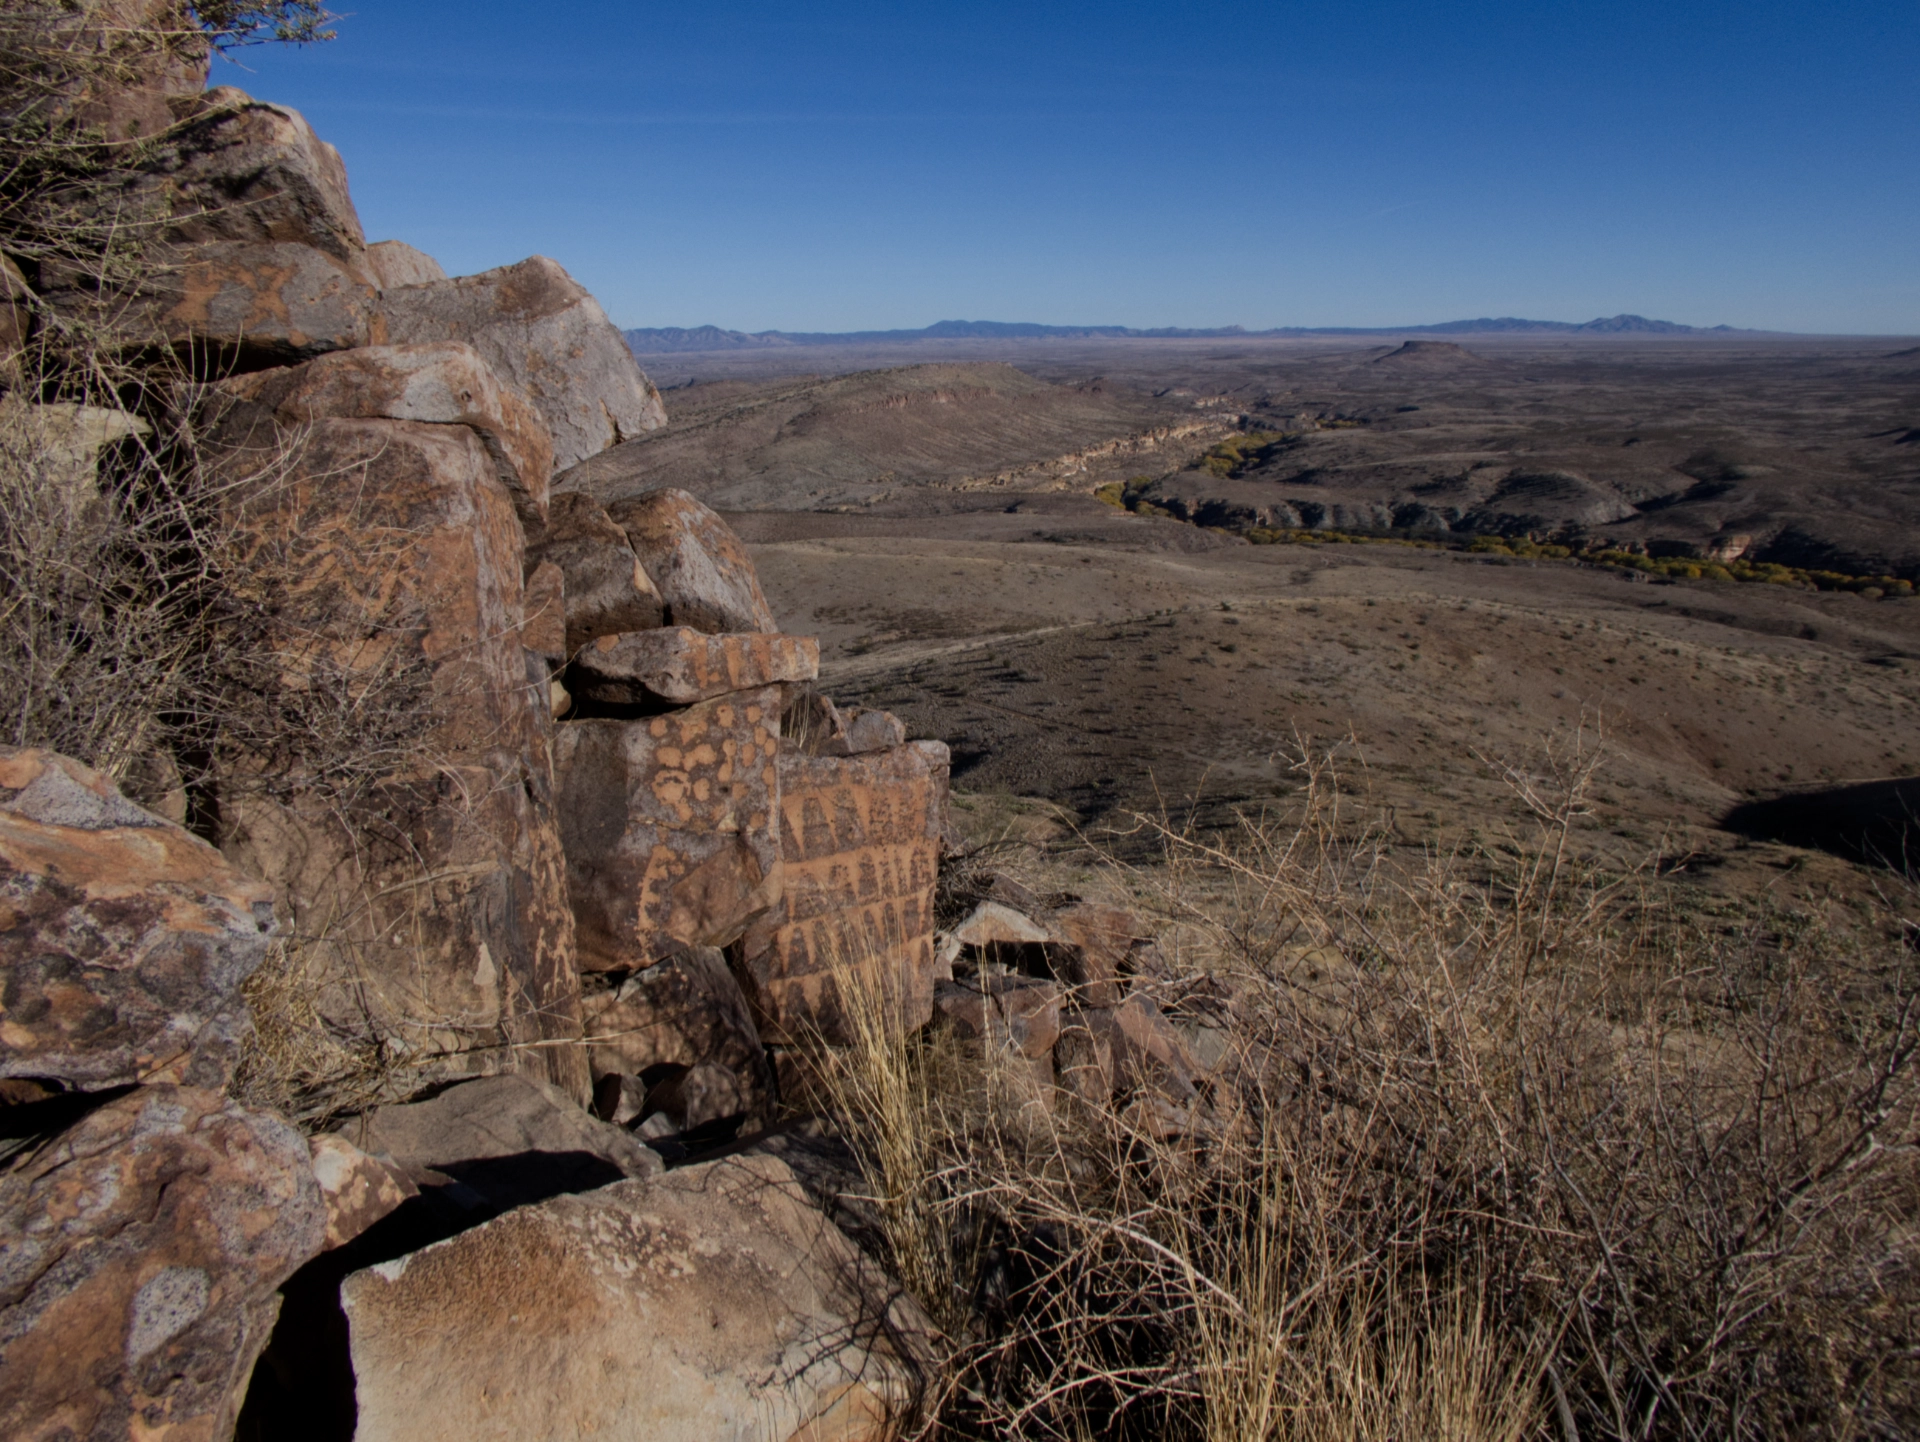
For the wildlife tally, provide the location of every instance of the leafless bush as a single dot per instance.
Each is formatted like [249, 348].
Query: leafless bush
[1506, 1149]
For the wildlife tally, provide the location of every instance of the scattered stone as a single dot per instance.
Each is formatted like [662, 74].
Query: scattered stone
[503, 1141]
[358, 1189]
[441, 926]
[814, 725]
[443, 384]
[1020, 1012]
[668, 827]
[123, 938]
[873, 731]
[684, 1011]
[715, 1302]
[860, 846]
[140, 1252]
[704, 576]
[394, 263]
[1083, 1060]
[680, 665]
[608, 592]
[1099, 940]
[1001, 937]
[541, 331]
[1148, 1053]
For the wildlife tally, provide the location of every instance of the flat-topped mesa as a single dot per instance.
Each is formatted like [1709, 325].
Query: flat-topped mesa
[681, 665]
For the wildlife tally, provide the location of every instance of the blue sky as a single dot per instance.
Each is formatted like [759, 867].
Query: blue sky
[836, 166]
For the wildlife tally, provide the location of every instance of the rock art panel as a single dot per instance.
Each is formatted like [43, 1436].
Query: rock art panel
[545, 334]
[608, 591]
[702, 571]
[860, 847]
[713, 1304]
[681, 665]
[276, 301]
[394, 263]
[142, 1248]
[443, 384]
[123, 938]
[428, 900]
[668, 824]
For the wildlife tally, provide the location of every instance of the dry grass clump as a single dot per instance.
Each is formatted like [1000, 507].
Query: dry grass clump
[1504, 1149]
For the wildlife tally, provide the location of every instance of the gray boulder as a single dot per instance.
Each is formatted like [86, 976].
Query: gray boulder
[704, 575]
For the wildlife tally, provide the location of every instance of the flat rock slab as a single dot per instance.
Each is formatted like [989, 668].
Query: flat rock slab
[681, 665]
[714, 1304]
[540, 329]
[669, 827]
[860, 849]
[447, 383]
[698, 565]
[123, 938]
[140, 1252]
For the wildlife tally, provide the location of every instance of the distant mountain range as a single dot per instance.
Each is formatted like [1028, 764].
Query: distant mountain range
[666, 340]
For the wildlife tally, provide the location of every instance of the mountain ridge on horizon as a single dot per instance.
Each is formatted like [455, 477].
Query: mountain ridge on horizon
[668, 340]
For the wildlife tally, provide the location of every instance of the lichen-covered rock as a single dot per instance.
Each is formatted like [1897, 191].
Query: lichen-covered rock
[432, 911]
[668, 826]
[358, 1189]
[140, 1251]
[243, 301]
[859, 849]
[607, 592]
[680, 665]
[545, 334]
[394, 263]
[123, 939]
[685, 1011]
[702, 571]
[713, 1304]
[442, 384]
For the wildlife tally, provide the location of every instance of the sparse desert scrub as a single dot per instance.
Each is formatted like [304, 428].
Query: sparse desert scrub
[1504, 1149]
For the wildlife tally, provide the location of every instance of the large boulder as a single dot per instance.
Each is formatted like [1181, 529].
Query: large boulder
[679, 665]
[714, 1304]
[442, 384]
[544, 333]
[668, 826]
[607, 590]
[859, 852]
[702, 571]
[244, 170]
[238, 304]
[686, 1011]
[394, 263]
[123, 939]
[140, 1253]
[407, 818]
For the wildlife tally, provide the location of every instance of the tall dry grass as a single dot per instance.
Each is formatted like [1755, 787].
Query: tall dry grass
[1504, 1148]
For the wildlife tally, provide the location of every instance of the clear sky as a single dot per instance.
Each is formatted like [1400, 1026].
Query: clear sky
[839, 166]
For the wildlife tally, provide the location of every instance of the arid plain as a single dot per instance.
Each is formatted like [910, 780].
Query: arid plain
[933, 515]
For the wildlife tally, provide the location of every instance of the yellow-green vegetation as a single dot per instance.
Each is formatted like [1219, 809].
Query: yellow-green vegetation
[1694, 568]
[1123, 495]
[1238, 454]
[1301, 536]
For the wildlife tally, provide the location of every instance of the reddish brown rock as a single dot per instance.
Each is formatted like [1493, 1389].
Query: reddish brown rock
[275, 300]
[140, 1252]
[444, 384]
[668, 825]
[680, 665]
[432, 910]
[713, 1303]
[140, 65]
[860, 848]
[819, 728]
[394, 263]
[1083, 1059]
[608, 592]
[358, 1189]
[703, 573]
[244, 170]
[123, 939]
[1019, 1012]
[684, 1011]
[543, 333]
[1148, 1053]
[1099, 940]
[544, 631]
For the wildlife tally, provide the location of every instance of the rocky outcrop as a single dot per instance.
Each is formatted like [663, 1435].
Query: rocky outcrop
[711, 1304]
[859, 842]
[679, 665]
[607, 592]
[142, 1248]
[394, 263]
[434, 907]
[668, 825]
[540, 330]
[704, 576]
[123, 939]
